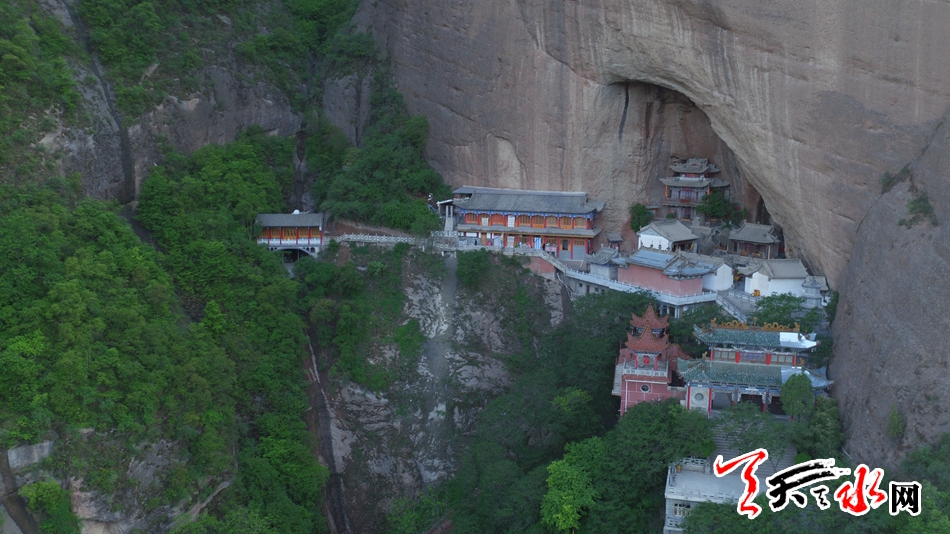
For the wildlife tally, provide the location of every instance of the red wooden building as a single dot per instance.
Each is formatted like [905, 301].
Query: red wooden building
[299, 231]
[647, 363]
[558, 222]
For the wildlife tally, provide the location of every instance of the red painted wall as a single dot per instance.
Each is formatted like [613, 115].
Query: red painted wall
[655, 279]
[630, 393]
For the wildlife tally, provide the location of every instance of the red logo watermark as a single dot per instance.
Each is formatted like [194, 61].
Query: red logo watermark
[856, 498]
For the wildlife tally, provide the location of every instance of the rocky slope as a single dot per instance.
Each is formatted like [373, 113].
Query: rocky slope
[815, 100]
[114, 154]
[396, 443]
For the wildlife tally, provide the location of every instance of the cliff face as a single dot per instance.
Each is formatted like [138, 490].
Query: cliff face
[114, 154]
[815, 100]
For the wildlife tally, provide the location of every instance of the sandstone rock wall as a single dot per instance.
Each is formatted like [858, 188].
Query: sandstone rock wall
[816, 101]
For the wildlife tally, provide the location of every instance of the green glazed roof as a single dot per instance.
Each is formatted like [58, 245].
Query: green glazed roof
[732, 373]
[731, 336]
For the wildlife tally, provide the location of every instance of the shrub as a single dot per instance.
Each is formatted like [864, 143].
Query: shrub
[53, 505]
[888, 180]
[410, 339]
[640, 216]
[472, 267]
[715, 205]
[896, 424]
[920, 209]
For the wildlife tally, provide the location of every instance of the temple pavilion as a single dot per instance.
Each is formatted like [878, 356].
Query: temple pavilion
[647, 362]
[691, 181]
[558, 222]
[291, 231]
[746, 362]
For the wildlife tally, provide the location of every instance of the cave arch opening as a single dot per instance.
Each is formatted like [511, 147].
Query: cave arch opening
[658, 131]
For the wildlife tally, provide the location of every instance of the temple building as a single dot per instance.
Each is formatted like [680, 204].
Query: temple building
[646, 366]
[561, 223]
[764, 278]
[295, 231]
[757, 240]
[666, 234]
[746, 362]
[691, 181]
[664, 272]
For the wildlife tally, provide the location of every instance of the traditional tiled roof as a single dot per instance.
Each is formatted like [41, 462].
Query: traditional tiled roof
[735, 337]
[696, 183]
[653, 259]
[817, 382]
[790, 268]
[650, 318]
[287, 220]
[724, 372]
[754, 233]
[702, 258]
[671, 229]
[739, 335]
[647, 342]
[554, 231]
[515, 201]
[694, 166]
[672, 264]
[749, 374]
[614, 237]
[602, 256]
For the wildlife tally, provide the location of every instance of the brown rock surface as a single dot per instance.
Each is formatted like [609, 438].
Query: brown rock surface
[816, 100]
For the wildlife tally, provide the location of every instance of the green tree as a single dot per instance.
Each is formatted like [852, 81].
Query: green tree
[798, 398]
[640, 216]
[781, 309]
[53, 504]
[472, 267]
[715, 206]
[681, 330]
[821, 437]
[746, 428]
[571, 484]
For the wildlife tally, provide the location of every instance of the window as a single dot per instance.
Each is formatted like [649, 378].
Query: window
[498, 220]
[680, 509]
[471, 218]
[580, 222]
[537, 221]
[645, 388]
[551, 222]
[290, 233]
[523, 220]
[566, 222]
[565, 244]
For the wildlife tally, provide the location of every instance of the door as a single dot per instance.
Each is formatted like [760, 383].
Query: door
[511, 221]
[565, 249]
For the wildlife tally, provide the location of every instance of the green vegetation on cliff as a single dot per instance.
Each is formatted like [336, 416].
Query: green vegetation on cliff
[200, 211]
[199, 346]
[34, 80]
[180, 37]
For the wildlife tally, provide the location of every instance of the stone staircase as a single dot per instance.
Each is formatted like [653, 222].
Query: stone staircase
[766, 469]
[723, 301]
